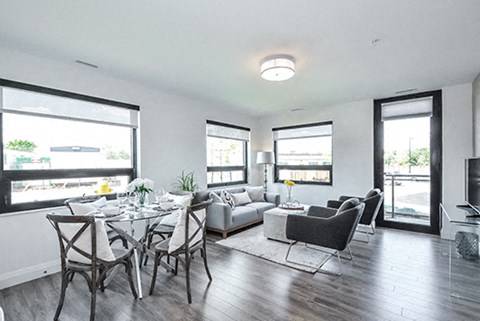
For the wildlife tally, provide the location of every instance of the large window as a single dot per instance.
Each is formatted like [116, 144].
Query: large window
[304, 153]
[227, 150]
[58, 145]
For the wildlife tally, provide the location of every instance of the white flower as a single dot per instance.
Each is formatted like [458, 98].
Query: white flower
[148, 183]
[140, 185]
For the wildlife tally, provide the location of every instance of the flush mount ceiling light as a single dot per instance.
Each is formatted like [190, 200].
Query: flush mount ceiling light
[277, 68]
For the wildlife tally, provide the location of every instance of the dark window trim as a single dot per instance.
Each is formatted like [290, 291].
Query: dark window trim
[243, 168]
[277, 168]
[7, 176]
[435, 161]
[304, 125]
[213, 122]
[65, 94]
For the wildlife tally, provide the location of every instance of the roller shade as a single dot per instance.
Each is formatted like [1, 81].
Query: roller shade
[38, 104]
[303, 131]
[227, 131]
[407, 109]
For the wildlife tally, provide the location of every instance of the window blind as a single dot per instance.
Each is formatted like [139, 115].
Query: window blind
[45, 105]
[407, 109]
[303, 131]
[228, 132]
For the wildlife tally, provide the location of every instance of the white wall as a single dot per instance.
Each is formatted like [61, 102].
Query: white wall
[352, 149]
[172, 139]
[457, 144]
[476, 116]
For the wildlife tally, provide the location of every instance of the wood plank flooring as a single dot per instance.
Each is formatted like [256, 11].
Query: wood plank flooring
[398, 276]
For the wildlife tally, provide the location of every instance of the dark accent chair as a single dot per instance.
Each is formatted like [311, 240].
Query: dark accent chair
[112, 235]
[325, 227]
[187, 249]
[373, 201]
[95, 272]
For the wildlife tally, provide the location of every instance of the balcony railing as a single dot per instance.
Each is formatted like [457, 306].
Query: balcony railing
[408, 197]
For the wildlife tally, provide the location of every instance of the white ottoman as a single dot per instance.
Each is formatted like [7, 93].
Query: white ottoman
[275, 223]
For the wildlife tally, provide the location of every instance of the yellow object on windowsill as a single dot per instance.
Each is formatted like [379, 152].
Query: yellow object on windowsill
[104, 188]
[288, 182]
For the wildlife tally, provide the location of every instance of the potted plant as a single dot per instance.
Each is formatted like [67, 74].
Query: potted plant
[186, 182]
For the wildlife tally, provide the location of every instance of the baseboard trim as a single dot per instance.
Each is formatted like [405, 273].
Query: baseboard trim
[28, 274]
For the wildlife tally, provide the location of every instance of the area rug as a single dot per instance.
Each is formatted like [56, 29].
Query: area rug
[254, 243]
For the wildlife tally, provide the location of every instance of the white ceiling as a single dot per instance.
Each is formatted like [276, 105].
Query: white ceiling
[211, 49]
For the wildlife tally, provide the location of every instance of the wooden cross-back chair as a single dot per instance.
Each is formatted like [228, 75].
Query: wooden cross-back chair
[97, 267]
[186, 249]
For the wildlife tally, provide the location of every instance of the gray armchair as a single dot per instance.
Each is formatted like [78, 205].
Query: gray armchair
[325, 227]
[373, 201]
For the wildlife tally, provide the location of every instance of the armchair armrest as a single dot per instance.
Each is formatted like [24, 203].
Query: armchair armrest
[319, 211]
[219, 216]
[272, 198]
[334, 203]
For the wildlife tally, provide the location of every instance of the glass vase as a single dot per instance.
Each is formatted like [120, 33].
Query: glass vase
[141, 199]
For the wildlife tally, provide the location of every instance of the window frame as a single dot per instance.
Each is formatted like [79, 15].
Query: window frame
[243, 168]
[7, 176]
[277, 168]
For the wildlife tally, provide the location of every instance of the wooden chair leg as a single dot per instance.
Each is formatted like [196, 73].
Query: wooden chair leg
[93, 300]
[187, 277]
[102, 281]
[204, 255]
[156, 263]
[63, 290]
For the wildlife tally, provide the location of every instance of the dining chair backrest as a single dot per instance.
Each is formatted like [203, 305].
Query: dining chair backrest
[69, 243]
[82, 239]
[190, 229]
[80, 200]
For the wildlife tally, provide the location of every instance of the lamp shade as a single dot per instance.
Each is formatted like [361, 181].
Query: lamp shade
[277, 68]
[265, 158]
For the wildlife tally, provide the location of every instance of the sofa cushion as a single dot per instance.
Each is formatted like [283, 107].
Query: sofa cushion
[243, 215]
[260, 207]
[256, 193]
[241, 198]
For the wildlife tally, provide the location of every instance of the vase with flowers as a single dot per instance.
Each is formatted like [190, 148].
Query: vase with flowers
[290, 184]
[141, 187]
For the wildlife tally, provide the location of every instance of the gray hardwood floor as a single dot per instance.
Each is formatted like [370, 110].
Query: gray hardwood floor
[397, 276]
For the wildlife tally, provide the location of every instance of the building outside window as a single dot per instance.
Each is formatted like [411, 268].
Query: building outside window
[227, 154]
[58, 145]
[303, 153]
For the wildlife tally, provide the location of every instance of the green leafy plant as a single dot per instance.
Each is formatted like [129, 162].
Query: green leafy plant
[21, 145]
[186, 182]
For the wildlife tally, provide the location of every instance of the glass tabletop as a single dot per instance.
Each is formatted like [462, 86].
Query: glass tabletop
[460, 214]
[129, 214]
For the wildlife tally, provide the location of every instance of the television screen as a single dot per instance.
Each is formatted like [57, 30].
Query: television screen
[473, 181]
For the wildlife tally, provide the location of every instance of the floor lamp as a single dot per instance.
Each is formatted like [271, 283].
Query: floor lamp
[265, 158]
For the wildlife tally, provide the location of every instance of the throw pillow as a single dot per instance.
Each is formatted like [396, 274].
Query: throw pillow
[227, 199]
[184, 201]
[172, 218]
[84, 242]
[85, 208]
[82, 208]
[178, 236]
[214, 196]
[256, 193]
[241, 198]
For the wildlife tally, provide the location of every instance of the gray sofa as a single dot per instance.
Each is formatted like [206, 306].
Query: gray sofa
[222, 219]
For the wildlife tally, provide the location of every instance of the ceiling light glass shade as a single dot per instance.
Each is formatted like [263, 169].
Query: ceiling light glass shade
[277, 68]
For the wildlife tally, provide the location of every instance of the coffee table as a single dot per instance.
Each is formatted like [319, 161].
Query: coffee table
[275, 222]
